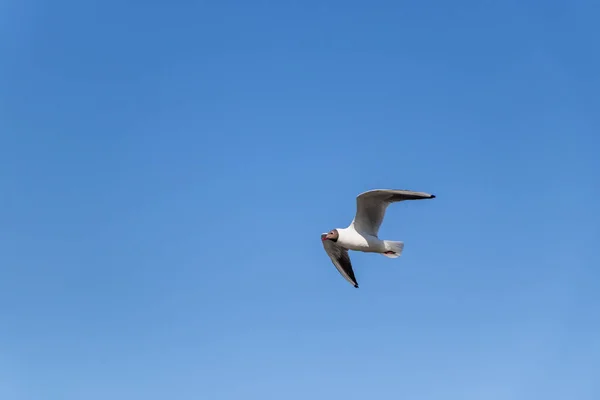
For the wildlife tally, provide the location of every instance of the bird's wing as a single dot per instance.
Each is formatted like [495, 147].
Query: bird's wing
[340, 259]
[371, 206]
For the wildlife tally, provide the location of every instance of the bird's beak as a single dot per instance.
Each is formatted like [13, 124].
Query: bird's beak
[323, 237]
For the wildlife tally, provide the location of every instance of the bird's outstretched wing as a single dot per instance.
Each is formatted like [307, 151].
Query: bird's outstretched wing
[340, 259]
[371, 207]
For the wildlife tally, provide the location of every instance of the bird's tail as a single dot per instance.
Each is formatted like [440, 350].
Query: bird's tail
[393, 249]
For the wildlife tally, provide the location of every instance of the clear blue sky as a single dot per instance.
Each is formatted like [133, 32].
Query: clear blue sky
[167, 169]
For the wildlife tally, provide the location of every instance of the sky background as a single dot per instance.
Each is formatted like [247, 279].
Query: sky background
[166, 169]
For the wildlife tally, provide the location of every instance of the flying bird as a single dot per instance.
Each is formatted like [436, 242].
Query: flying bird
[362, 233]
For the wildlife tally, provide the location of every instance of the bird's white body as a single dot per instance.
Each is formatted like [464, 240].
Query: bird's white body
[351, 239]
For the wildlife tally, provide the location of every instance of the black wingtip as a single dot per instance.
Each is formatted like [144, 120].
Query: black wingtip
[356, 286]
[432, 196]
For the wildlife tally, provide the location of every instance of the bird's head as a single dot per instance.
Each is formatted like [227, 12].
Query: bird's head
[331, 235]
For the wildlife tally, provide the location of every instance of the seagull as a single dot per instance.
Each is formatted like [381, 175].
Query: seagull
[361, 234]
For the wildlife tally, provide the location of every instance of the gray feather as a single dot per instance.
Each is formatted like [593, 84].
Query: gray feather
[340, 259]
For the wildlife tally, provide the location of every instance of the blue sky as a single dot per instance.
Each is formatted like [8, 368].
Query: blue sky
[167, 168]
